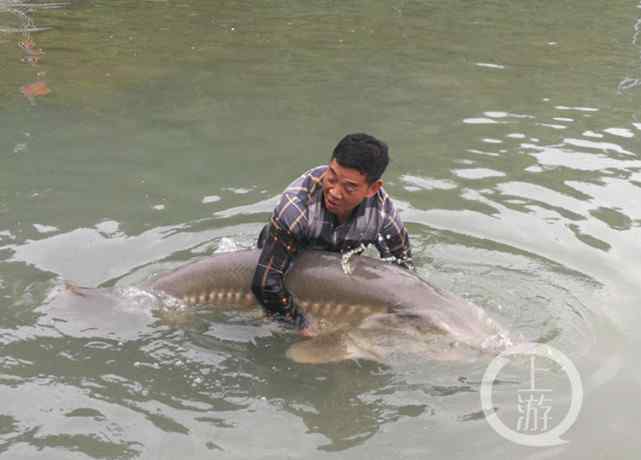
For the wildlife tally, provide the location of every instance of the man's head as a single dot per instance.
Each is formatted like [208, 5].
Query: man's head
[364, 153]
[354, 173]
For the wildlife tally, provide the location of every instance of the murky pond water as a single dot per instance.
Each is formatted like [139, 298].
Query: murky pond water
[135, 136]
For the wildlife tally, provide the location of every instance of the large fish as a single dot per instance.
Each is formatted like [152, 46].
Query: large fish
[375, 310]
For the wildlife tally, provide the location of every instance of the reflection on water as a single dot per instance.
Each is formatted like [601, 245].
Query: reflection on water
[631, 82]
[26, 28]
[23, 22]
[578, 184]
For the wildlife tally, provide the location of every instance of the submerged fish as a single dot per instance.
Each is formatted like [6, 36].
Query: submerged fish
[367, 314]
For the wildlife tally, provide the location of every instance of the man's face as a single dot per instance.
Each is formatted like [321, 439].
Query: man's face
[345, 188]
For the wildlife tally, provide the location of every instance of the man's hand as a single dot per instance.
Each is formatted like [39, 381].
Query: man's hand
[299, 321]
[306, 326]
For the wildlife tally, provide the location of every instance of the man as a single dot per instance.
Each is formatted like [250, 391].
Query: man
[338, 207]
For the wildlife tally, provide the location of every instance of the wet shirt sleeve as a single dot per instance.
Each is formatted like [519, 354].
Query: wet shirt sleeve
[280, 247]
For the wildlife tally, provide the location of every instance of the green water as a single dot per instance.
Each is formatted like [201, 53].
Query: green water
[169, 129]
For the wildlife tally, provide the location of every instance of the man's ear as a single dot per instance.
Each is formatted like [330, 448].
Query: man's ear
[374, 188]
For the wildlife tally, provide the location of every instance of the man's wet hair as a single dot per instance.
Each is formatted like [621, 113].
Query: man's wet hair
[364, 153]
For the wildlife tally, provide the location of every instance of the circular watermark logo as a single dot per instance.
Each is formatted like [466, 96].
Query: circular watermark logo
[534, 404]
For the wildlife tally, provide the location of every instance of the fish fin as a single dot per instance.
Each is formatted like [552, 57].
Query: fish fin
[326, 348]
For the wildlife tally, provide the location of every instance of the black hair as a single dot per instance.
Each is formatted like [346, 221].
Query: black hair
[364, 153]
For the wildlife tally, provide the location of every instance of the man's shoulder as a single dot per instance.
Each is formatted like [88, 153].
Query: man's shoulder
[384, 207]
[292, 210]
[309, 179]
[381, 200]
[307, 184]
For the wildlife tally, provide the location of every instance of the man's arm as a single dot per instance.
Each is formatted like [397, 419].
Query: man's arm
[284, 239]
[279, 249]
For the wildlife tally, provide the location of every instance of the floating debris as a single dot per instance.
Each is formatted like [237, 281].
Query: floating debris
[36, 89]
[32, 54]
[29, 47]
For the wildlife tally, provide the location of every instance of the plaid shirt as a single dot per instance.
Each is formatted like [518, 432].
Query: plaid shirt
[301, 221]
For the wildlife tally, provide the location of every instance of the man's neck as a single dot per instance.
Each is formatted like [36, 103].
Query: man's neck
[343, 218]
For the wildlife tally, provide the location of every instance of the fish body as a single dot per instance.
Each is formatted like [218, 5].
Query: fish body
[367, 311]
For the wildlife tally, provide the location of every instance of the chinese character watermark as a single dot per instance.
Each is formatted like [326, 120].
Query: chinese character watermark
[533, 405]
[534, 426]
